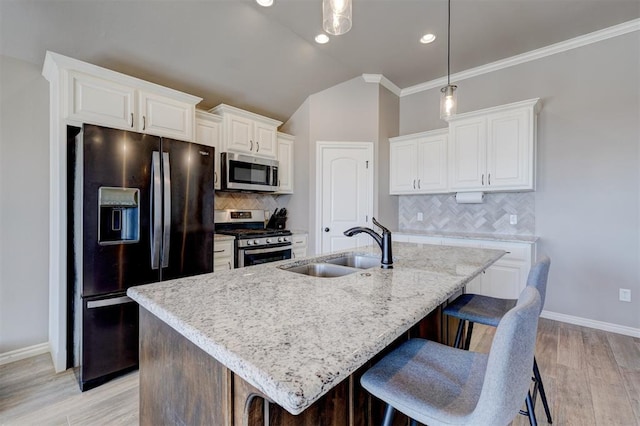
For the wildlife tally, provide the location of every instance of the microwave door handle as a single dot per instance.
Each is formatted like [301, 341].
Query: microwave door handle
[156, 210]
[166, 233]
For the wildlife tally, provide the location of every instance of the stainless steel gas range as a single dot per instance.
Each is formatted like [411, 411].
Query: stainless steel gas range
[254, 244]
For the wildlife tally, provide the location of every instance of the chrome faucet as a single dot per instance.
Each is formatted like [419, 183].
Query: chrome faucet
[384, 241]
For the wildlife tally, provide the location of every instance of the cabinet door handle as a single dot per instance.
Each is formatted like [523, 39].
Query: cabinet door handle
[483, 179]
[218, 251]
[414, 184]
[144, 122]
[132, 120]
[418, 183]
[258, 146]
[215, 177]
[229, 263]
[489, 179]
[293, 254]
[251, 147]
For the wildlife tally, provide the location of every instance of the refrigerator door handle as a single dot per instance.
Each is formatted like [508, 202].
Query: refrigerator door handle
[166, 177]
[108, 302]
[156, 211]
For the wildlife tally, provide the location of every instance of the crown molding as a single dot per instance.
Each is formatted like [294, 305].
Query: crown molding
[563, 46]
[383, 81]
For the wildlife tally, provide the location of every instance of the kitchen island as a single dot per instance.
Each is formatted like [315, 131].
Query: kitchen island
[213, 347]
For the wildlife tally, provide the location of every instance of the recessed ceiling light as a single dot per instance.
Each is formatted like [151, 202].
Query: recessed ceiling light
[322, 39]
[427, 38]
[265, 3]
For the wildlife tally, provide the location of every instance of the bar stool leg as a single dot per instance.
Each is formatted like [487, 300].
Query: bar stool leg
[456, 343]
[531, 411]
[467, 343]
[543, 395]
[388, 415]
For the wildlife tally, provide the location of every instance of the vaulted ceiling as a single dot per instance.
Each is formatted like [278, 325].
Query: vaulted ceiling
[266, 60]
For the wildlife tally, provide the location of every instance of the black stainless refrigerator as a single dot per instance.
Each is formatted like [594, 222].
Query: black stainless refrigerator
[143, 212]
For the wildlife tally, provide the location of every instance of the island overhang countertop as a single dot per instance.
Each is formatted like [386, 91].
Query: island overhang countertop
[294, 337]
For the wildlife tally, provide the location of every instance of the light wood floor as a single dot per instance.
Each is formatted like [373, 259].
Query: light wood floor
[591, 377]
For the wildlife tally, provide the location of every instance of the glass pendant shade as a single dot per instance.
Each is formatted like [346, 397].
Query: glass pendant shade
[448, 101]
[336, 16]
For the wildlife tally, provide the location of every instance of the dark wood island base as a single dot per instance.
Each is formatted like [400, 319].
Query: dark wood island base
[181, 384]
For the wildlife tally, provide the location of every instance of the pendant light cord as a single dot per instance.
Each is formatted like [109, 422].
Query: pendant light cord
[449, 44]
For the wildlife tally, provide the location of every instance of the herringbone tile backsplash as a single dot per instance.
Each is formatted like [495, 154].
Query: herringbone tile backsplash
[442, 213]
[240, 200]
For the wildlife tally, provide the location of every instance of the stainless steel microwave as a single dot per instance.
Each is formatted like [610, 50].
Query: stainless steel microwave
[248, 173]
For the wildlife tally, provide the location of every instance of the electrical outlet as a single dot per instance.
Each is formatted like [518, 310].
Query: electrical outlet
[513, 219]
[625, 295]
[420, 217]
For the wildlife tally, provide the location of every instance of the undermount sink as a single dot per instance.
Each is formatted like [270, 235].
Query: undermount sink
[321, 270]
[356, 261]
[336, 267]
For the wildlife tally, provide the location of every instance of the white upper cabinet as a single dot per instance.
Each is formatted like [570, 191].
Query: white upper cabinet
[419, 163]
[494, 149]
[246, 132]
[209, 132]
[94, 100]
[95, 95]
[165, 116]
[285, 158]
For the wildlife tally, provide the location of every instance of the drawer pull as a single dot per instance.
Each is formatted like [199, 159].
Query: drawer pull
[218, 251]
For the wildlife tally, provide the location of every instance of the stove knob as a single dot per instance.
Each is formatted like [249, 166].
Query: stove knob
[268, 240]
[256, 242]
[279, 239]
[249, 242]
[285, 239]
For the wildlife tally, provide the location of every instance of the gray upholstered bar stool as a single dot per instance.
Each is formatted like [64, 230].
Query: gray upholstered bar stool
[475, 308]
[436, 384]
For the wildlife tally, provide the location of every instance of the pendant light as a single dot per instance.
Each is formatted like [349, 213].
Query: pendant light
[448, 97]
[336, 16]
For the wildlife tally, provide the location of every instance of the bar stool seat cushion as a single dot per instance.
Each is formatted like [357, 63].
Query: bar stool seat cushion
[418, 380]
[479, 309]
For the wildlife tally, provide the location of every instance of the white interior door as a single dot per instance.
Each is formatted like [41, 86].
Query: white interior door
[345, 186]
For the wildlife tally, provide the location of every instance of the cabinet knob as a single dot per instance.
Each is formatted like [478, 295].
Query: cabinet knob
[327, 229]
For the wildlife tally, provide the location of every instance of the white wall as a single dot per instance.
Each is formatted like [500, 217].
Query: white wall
[588, 185]
[347, 112]
[24, 205]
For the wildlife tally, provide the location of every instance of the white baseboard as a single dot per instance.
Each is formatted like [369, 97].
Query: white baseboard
[598, 325]
[18, 354]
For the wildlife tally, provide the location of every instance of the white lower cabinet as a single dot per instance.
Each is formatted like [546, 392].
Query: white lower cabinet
[223, 256]
[506, 278]
[299, 246]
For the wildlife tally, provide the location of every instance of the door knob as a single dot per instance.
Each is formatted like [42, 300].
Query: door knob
[327, 229]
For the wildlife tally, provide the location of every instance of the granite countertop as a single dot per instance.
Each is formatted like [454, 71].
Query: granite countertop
[293, 336]
[471, 235]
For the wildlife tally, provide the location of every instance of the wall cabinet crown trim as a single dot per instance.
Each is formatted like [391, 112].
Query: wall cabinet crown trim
[55, 61]
[535, 103]
[224, 108]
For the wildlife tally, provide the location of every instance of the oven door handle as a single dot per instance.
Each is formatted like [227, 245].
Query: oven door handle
[266, 250]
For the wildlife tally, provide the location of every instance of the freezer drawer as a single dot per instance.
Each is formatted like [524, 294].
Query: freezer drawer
[109, 339]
